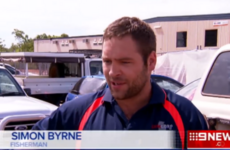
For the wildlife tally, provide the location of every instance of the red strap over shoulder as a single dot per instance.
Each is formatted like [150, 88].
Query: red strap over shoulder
[176, 117]
[97, 103]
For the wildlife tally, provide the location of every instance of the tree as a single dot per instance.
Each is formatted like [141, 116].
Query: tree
[2, 46]
[41, 36]
[45, 36]
[64, 35]
[13, 48]
[19, 35]
[25, 44]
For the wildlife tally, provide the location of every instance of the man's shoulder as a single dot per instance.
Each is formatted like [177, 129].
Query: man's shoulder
[69, 114]
[192, 118]
[182, 104]
[186, 109]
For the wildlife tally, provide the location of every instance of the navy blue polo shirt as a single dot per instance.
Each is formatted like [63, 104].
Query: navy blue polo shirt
[165, 111]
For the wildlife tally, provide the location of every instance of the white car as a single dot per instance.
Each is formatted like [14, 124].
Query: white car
[17, 110]
[15, 71]
[212, 94]
[10, 68]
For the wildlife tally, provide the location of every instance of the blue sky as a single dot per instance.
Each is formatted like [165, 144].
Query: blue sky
[87, 17]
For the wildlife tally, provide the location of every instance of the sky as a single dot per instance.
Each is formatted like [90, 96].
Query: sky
[89, 17]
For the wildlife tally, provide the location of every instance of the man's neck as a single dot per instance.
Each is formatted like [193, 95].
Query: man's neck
[132, 105]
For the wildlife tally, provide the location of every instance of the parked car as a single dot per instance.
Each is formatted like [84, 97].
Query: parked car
[90, 84]
[212, 95]
[63, 71]
[15, 71]
[17, 110]
[189, 90]
[11, 69]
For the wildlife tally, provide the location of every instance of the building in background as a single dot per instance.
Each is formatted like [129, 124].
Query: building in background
[191, 32]
[89, 42]
[174, 33]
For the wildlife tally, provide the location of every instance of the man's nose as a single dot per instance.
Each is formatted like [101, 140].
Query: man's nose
[114, 69]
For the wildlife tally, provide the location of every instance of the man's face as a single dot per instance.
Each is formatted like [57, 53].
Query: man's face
[124, 68]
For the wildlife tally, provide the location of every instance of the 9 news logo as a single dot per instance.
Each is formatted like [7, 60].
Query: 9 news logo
[209, 139]
[194, 136]
[220, 144]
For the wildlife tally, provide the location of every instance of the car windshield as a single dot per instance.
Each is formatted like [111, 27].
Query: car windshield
[96, 68]
[8, 86]
[90, 85]
[9, 68]
[167, 83]
[188, 89]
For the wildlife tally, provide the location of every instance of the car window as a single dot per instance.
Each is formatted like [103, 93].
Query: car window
[90, 85]
[167, 84]
[9, 85]
[188, 89]
[96, 67]
[218, 81]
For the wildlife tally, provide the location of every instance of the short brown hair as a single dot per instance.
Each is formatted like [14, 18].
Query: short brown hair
[140, 31]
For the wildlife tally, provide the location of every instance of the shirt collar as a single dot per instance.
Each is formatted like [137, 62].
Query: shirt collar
[158, 95]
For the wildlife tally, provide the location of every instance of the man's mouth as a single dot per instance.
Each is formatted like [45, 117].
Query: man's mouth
[117, 83]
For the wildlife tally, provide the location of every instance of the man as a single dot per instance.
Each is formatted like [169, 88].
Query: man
[132, 101]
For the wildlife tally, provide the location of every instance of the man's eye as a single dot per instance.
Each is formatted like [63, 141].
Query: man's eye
[106, 61]
[125, 62]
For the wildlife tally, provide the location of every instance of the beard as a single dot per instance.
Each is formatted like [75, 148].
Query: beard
[133, 87]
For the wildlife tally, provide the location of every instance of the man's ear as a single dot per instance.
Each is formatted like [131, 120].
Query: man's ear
[152, 60]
